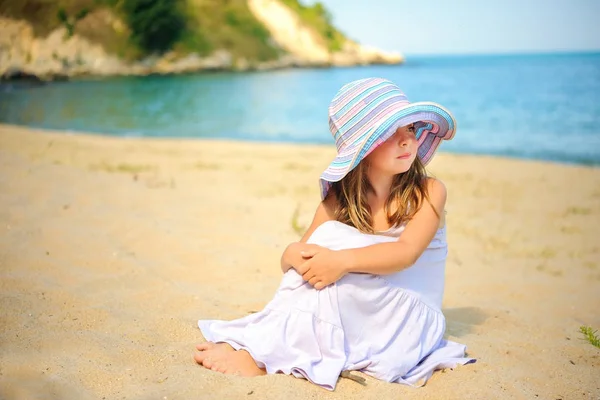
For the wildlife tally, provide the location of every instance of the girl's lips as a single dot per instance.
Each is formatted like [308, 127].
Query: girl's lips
[403, 156]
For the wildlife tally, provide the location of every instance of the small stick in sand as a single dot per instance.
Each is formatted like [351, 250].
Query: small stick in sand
[355, 378]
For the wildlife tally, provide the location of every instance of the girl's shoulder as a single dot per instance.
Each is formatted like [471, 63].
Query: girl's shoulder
[435, 187]
[432, 180]
[437, 193]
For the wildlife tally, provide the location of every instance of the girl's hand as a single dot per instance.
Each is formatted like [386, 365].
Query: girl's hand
[291, 256]
[322, 267]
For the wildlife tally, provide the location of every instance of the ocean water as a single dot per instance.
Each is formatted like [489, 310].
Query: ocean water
[526, 106]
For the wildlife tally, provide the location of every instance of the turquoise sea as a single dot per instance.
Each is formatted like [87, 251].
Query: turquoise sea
[544, 106]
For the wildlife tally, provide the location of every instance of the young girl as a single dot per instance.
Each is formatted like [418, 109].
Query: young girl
[362, 290]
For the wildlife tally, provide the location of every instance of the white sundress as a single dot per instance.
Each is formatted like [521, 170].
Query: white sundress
[388, 326]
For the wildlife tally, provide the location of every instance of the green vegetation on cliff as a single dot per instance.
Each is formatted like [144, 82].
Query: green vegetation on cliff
[318, 18]
[144, 27]
[155, 25]
[230, 25]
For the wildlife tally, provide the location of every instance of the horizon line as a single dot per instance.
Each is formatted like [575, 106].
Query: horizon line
[505, 53]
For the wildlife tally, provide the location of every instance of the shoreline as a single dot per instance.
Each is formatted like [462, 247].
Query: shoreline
[163, 139]
[24, 75]
[112, 249]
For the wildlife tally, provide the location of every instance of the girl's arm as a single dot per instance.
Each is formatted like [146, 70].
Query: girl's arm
[388, 258]
[287, 258]
[326, 266]
[291, 256]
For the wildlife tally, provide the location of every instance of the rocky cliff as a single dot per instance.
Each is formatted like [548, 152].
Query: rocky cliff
[59, 53]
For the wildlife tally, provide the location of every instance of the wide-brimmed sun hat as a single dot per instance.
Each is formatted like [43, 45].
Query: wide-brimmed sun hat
[365, 113]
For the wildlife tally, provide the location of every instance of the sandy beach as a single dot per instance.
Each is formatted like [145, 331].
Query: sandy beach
[111, 249]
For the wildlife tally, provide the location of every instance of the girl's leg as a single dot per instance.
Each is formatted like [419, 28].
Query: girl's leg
[223, 358]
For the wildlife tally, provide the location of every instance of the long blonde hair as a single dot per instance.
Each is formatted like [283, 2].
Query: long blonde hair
[407, 194]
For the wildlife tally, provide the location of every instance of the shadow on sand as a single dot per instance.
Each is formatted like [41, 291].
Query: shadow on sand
[460, 321]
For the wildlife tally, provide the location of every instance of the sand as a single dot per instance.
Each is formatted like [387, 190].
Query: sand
[111, 249]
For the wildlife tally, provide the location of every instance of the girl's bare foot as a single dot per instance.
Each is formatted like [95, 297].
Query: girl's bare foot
[223, 358]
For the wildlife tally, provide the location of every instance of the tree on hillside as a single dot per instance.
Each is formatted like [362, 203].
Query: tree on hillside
[155, 24]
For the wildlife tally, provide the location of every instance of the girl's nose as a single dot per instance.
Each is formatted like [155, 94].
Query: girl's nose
[403, 139]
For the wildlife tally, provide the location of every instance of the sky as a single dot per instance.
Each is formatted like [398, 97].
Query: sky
[469, 26]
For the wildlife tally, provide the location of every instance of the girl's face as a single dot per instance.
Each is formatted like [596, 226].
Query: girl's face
[395, 155]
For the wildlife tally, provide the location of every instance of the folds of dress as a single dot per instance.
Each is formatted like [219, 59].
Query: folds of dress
[388, 326]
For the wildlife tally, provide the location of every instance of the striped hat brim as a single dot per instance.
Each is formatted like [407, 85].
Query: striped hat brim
[433, 124]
